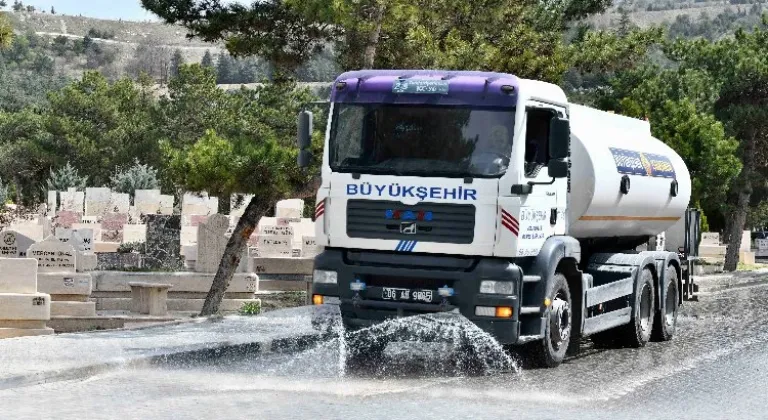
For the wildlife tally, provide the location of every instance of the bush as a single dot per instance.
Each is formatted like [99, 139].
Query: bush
[129, 247]
[64, 178]
[251, 308]
[137, 177]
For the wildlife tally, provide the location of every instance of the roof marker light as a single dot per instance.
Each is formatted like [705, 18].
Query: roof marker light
[508, 89]
[341, 85]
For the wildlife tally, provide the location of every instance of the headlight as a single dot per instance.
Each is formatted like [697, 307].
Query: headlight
[497, 287]
[327, 277]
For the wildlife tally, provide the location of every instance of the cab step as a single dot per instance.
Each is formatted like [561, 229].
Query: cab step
[531, 278]
[525, 310]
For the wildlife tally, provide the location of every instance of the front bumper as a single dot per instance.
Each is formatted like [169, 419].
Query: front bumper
[427, 272]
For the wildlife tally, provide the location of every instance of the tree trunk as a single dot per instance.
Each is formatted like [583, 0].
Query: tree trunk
[742, 206]
[369, 56]
[232, 254]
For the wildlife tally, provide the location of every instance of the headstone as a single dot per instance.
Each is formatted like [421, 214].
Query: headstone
[289, 208]
[746, 241]
[166, 204]
[238, 203]
[73, 200]
[286, 231]
[112, 226]
[18, 275]
[762, 247]
[147, 201]
[82, 240]
[53, 256]
[211, 242]
[134, 233]
[9, 246]
[710, 238]
[35, 229]
[163, 247]
[275, 246]
[97, 201]
[63, 234]
[191, 203]
[309, 247]
[188, 235]
[53, 202]
[66, 218]
[119, 203]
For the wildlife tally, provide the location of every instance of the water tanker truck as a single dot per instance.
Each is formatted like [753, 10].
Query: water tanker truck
[494, 197]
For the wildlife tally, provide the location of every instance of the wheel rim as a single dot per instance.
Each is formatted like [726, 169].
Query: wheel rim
[645, 308]
[670, 306]
[559, 321]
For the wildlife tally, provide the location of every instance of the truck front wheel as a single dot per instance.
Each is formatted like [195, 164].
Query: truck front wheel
[550, 351]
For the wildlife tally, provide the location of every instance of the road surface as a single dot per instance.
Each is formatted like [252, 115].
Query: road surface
[715, 368]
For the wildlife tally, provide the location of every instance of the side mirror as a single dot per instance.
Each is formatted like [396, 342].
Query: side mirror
[304, 139]
[304, 158]
[305, 130]
[557, 168]
[559, 138]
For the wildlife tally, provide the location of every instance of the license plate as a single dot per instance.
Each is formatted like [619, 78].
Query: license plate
[391, 293]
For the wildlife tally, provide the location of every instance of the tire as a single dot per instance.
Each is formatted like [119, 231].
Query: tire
[550, 351]
[666, 317]
[638, 332]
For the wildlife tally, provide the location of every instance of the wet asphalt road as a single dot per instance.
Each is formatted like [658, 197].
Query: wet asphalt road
[715, 368]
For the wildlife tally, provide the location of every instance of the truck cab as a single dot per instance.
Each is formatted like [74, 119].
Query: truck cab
[448, 191]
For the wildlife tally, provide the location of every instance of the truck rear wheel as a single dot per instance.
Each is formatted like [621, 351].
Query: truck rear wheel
[666, 316]
[550, 351]
[638, 331]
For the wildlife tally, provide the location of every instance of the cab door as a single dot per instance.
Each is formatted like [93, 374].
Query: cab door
[531, 204]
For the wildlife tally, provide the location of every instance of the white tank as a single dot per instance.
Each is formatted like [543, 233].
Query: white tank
[604, 148]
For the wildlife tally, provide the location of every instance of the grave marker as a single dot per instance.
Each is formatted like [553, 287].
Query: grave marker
[97, 201]
[53, 256]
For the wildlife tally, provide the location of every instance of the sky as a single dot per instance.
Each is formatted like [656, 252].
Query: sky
[105, 9]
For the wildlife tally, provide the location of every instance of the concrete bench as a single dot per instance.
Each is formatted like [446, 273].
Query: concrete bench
[149, 298]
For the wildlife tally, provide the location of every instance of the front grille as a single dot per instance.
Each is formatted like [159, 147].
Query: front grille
[451, 223]
[406, 282]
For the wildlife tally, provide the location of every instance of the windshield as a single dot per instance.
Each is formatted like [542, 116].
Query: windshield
[421, 140]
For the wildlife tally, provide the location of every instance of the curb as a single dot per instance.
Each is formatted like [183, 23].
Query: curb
[181, 357]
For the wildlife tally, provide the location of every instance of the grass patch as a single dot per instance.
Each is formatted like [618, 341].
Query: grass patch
[250, 308]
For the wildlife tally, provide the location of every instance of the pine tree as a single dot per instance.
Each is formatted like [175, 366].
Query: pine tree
[207, 60]
[64, 178]
[625, 23]
[53, 11]
[225, 69]
[136, 177]
[176, 61]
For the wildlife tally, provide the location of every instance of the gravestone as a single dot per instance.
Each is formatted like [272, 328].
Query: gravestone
[119, 203]
[710, 238]
[73, 200]
[275, 246]
[289, 208]
[82, 240]
[35, 229]
[211, 242]
[112, 226]
[309, 247]
[14, 244]
[762, 247]
[147, 201]
[192, 203]
[97, 201]
[163, 247]
[134, 233]
[66, 218]
[53, 202]
[166, 204]
[53, 256]
[23, 311]
[746, 241]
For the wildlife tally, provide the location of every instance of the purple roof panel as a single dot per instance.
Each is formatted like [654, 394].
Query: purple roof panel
[465, 88]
